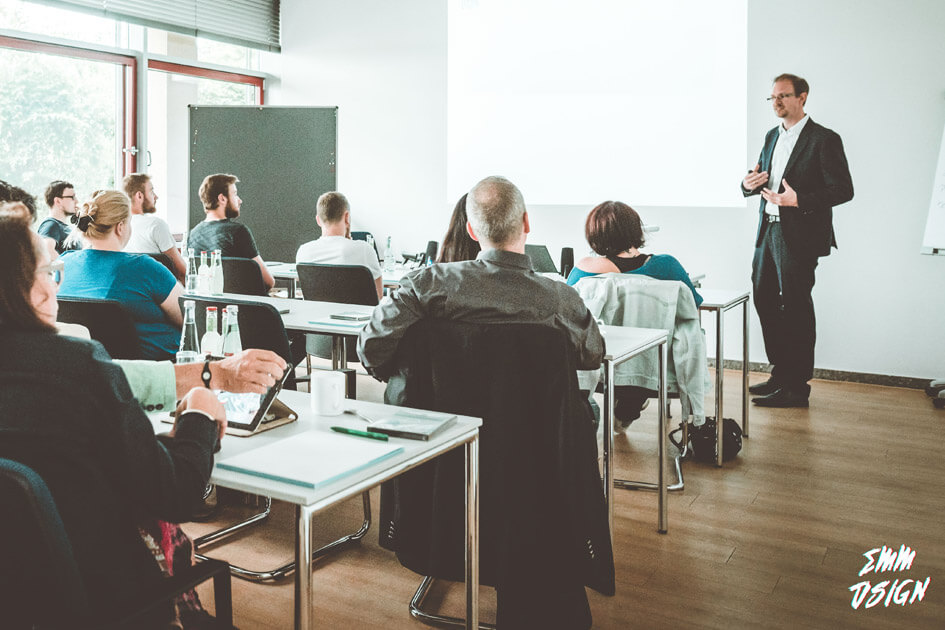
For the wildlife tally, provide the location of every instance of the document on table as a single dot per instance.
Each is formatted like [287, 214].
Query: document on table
[311, 460]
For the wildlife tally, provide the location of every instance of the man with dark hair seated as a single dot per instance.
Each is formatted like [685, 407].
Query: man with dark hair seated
[60, 197]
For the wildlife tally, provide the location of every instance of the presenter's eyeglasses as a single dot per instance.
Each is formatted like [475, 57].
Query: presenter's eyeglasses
[778, 97]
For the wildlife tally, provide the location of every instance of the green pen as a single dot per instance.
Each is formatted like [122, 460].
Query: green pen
[367, 434]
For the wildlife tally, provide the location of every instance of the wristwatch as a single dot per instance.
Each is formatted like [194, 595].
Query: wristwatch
[205, 373]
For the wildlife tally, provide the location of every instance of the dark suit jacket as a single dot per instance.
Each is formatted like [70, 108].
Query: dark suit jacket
[817, 170]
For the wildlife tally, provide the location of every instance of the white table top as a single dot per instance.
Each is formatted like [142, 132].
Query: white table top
[715, 299]
[622, 341]
[287, 271]
[309, 316]
[414, 451]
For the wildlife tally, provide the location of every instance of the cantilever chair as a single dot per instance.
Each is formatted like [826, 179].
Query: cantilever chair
[346, 284]
[43, 587]
[108, 323]
[543, 531]
[243, 276]
[634, 300]
[261, 327]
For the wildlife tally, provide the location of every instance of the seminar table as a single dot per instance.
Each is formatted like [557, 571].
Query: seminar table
[623, 343]
[309, 502]
[719, 301]
[309, 316]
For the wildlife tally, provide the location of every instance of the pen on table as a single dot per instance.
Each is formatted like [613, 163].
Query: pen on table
[366, 434]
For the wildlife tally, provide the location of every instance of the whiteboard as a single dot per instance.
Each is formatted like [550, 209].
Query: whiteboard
[934, 240]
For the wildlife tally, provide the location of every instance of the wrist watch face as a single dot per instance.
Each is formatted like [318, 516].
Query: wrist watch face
[205, 375]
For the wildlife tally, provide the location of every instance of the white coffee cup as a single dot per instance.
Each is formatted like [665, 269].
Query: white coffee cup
[328, 392]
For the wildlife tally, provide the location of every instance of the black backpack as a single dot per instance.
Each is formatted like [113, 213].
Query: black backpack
[702, 443]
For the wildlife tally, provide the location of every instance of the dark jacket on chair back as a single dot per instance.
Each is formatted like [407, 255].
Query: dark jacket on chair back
[543, 522]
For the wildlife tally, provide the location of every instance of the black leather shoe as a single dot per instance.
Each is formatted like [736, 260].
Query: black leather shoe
[763, 389]
[782, 398]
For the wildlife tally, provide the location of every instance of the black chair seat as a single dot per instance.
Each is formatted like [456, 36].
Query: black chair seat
[108, 323]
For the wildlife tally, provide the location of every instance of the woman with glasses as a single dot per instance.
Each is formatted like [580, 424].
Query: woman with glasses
[67, 412]
[144, 287]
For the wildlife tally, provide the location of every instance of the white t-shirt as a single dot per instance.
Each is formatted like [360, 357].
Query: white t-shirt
[338, 250]
[149, 235]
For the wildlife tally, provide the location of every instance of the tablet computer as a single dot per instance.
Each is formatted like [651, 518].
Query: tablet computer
[249, 413]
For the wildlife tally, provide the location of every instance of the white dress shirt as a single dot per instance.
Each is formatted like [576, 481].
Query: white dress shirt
[783, 148]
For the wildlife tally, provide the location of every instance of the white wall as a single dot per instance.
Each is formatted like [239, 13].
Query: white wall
[875, 73]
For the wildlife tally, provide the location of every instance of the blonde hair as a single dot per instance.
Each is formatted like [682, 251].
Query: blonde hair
[331, 207]
[100, 214]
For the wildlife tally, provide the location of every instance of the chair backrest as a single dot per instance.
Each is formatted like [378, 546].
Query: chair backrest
[543, 522]
[40, 578]
[164, 260]
[347, 284]
[621, 299]
[108, 323]
[260, 323]
[541, 259]
[243, 276]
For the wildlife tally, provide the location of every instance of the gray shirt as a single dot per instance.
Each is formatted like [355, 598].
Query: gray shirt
[498, 287]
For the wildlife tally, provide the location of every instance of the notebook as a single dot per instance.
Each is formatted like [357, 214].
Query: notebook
[311, 460]
[413, 424]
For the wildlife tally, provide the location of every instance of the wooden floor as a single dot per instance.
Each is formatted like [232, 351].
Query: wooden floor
[772, 540]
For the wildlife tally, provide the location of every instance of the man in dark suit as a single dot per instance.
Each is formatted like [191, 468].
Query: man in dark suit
[801, 175]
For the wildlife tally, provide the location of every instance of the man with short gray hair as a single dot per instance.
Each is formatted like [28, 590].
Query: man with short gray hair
[498, 287]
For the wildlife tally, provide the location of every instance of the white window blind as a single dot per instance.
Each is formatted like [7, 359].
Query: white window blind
[253, 23]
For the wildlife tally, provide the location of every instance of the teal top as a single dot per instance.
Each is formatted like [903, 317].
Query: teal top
[659, 266]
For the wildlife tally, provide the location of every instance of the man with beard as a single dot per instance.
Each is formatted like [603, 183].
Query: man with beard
[60, 197]
[149, 232]
[218, 231]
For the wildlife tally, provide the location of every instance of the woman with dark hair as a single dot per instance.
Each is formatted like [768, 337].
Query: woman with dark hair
[114, 483]
[457, 244]
[615, 232]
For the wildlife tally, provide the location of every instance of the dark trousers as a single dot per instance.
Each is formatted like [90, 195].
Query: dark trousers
[782, 281]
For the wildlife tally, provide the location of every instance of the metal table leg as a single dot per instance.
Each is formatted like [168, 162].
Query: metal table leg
[472, 534]
[719, 378]
[745, 405]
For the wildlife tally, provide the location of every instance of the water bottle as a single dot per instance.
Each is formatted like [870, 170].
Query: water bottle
[389, 256]
[216, 273]
[191, 280]
[369, 238]
[189, 350]
[203, 275]
[210, 342]
[231, 341]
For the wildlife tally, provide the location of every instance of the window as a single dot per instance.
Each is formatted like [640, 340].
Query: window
[67, 114]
